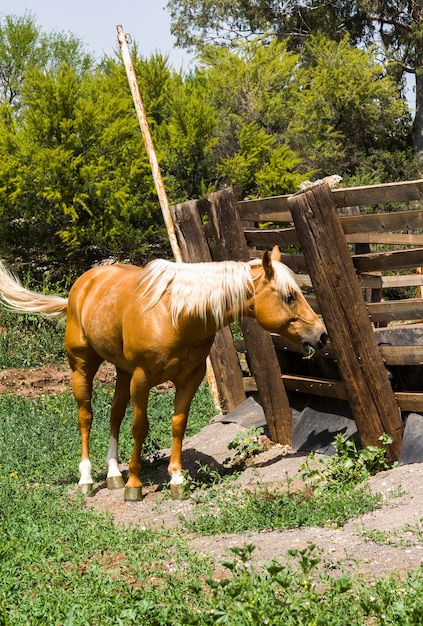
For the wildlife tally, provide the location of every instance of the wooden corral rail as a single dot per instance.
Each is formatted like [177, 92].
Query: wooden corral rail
[381, 228]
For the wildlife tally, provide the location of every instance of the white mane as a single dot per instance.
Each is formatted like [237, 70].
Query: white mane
[207, 288]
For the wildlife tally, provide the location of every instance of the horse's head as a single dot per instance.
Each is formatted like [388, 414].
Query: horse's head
[280, 307]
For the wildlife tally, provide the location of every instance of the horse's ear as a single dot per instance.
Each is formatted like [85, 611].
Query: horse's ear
[276, 254]
[266, 261]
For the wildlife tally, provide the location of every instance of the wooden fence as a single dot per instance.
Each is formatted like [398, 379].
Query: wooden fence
[348, 247]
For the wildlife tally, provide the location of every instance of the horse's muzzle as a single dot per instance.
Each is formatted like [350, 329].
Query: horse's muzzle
[310, 347]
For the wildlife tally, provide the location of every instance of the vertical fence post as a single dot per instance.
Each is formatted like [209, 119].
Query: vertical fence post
[331, 268]
[229, 243]
[223, 356]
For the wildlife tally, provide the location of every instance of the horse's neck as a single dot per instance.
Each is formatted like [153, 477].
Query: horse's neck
[218, 296]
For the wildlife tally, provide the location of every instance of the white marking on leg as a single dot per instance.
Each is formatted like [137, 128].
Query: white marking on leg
[85, 473]
[113, 469]
[176, 478]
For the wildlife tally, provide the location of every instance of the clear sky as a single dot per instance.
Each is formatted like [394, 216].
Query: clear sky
[95, 21]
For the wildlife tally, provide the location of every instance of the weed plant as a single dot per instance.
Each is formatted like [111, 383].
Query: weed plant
[300, 594]
[350, 465]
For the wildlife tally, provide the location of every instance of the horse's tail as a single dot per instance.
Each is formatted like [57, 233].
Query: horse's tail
[20, 300]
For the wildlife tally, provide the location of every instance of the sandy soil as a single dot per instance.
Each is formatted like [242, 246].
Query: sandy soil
[348, 549]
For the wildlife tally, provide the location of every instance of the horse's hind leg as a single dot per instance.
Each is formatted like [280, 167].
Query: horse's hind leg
[84, 369]
[119, 404]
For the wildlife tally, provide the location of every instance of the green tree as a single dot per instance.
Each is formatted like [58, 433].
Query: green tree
[187, 140]
[24, 46]
[75, 181]
[394, 27]
[261, 167]
[78, 180]
[346, 109]
[252, 88]
[329, 110]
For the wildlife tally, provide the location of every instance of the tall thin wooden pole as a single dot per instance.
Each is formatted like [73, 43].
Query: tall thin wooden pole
[148, 141]
[158, 180]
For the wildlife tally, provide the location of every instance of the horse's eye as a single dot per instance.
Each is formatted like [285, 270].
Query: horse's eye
[290, 297]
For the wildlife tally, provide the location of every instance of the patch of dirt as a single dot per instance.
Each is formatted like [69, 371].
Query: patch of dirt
[49, 379]
[350, 549]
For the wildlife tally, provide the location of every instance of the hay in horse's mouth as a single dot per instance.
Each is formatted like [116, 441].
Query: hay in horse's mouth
[310, 351]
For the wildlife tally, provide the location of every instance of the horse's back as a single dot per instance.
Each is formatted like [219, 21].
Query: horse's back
[104, 284]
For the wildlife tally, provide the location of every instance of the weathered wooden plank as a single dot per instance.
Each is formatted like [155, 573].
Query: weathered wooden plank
[392, 259]
[409, 401]
[401, 345]
[402, 355]
[269, 237]
[223, 356]
[390, 282]
[401, 335]
[303, 384]
[368, 195]
[365, 263]
[383, 222]
[266, 237]
[394, 310]
[276, 208]
[404, 349]
[229, 243]
[374, 281]
[315, 386]
[273, 209]
[296, 262]
[401, 349]
[406, 401]
[385, 311]
[262, 238]
[344, 311]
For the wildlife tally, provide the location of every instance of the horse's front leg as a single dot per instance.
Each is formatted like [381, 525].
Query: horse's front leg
[183, 398]
[139, 395]
[117, 413]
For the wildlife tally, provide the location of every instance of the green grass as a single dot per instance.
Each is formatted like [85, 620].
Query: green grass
[30, 341]
[235, 510]
[62, 563]
[59, 561]
[39, 438]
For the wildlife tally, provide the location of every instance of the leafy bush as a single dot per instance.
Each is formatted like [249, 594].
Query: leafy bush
[350, 465]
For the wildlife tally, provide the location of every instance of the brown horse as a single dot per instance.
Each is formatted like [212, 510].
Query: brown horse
[158, 324]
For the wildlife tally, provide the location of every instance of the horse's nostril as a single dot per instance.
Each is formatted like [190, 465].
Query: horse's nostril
[323, 338]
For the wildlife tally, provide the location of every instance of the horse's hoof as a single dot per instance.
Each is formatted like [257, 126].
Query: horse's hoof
[115, 482]
[177, 491]
[133, 494]
[86, 490]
